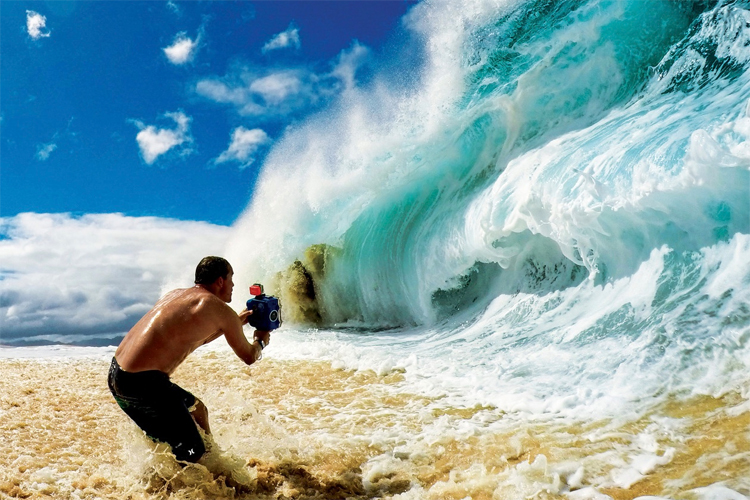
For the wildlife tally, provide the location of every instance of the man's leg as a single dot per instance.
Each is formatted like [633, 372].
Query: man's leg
[181, 426]
[200, 415]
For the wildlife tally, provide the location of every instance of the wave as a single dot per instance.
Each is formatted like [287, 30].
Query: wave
[547, 143]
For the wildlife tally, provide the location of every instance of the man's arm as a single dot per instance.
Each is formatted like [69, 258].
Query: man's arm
[213, 337]
[247, 352]
[243, 315]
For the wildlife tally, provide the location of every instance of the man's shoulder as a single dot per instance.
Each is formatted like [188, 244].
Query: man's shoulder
[192, 299]
[210, 302]
[200, 302]
[180, 295]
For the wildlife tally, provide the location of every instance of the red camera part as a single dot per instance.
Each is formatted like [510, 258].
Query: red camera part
[256, 289]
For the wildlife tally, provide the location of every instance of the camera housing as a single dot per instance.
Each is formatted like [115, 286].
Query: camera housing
[266, 309]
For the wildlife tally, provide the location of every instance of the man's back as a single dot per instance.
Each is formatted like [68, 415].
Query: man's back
[178, 324]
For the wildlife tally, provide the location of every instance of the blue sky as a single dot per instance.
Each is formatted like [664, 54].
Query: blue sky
[167, 109]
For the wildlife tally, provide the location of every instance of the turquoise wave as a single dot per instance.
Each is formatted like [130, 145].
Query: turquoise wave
[580, 137]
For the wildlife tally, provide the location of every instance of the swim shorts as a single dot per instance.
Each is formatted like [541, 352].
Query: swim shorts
[159, 407]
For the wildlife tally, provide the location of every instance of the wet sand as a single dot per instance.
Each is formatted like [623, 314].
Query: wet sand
[301, 429]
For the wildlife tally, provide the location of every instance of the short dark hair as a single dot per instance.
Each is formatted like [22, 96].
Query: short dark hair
[210, 269]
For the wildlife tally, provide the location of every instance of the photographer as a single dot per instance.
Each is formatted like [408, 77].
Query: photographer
[179, 323]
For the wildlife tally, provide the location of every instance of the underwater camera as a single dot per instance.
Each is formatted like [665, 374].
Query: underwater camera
[266, 309]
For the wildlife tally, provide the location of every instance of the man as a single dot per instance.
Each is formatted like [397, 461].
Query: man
[179, 323]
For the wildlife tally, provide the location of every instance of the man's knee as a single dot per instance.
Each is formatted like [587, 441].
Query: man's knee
[199, 412]
[190, 447]
[199, 408]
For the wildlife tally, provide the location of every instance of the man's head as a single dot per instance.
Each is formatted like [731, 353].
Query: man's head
[215, 274]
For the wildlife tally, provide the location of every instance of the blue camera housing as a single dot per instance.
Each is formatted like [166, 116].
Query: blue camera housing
[266, 312]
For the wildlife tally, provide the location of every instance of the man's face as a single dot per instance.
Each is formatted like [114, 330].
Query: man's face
[225, 293]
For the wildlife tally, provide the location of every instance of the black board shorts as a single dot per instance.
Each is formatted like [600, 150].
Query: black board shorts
[159, 407]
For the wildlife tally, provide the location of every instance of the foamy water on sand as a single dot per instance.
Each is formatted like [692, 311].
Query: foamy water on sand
[521, 271]
[290, 428]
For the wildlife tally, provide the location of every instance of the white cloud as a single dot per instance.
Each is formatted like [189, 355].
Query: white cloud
[266, 94]
[245, 143]
[95, 275]
[155, 142]
[174, 8]
[44, 150]
[220, 92]
[182, 49]
[288, 38]
[277, 87]
[35, 23]
[348, 62]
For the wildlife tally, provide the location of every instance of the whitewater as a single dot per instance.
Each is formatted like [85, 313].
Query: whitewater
[518, 270]
[558, 214]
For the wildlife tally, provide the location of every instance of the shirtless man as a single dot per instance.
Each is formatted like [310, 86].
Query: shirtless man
[178, 324]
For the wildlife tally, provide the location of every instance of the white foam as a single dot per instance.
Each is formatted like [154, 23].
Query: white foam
[717, 492]
[59, 352]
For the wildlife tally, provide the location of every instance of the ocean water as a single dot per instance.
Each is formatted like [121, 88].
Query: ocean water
[520, 270]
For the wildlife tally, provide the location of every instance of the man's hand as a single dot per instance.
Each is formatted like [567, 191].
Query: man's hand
[263, 335]
[245, 316]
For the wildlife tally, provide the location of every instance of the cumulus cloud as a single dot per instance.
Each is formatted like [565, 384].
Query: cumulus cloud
[182, 49]
[277, 87]
[263, 94]
[288, 38]
[221, 92]
[155, 142]
[92, 277]
[243, 146]
[274, 94]
[35, 23]
[44, 150]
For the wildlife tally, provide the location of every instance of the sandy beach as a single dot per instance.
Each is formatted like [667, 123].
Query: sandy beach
[297, 429]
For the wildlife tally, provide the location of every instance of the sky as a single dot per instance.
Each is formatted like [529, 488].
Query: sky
[132, 134]
[168, 109]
